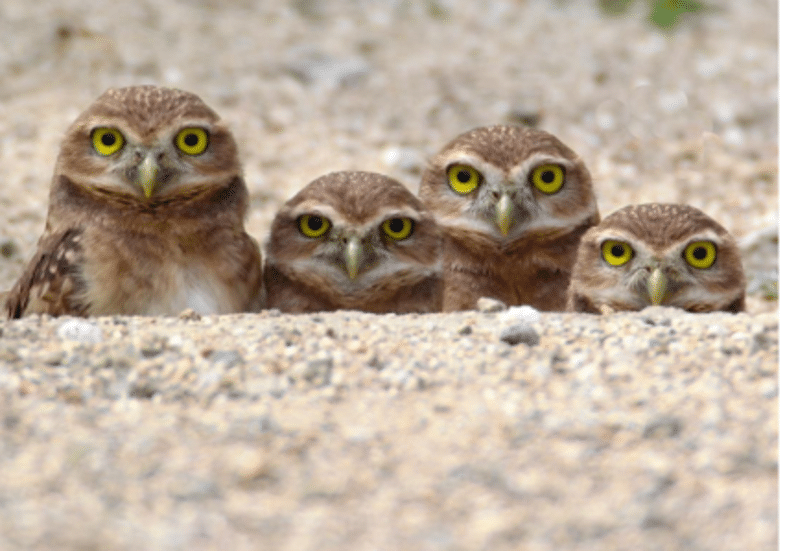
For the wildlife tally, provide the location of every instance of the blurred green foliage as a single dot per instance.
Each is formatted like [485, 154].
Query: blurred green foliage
[615, 7]
[664, 14]
[770, 290]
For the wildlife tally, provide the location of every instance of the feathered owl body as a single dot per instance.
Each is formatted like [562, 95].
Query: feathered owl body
[145, 215]
[529, 271]
[354, 240]
[513, 204]
[657, 254]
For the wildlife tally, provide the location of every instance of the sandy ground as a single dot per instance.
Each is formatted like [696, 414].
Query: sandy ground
[347, 430]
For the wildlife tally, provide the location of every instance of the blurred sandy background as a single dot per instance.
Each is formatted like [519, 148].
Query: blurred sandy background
[310, 87]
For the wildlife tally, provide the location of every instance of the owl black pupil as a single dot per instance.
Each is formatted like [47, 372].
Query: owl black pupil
[191, 140]
[618, 250]
[464, 176]
[547, 177]
[396, 225]
[700, 253]
[314, 223]
[108, 139]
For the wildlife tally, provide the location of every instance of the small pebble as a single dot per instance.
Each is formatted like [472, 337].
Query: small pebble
[227, 358]
[769, 390]
[190, 314]
[662, 428]
[488, 304]
[520, 333]
[80, 330]
[319, 371]
[523, 313]
[658, 316]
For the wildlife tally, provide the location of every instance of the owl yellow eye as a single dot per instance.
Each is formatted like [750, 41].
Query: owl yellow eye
[107, 141]
[700, 254]
[313, 226]
[548, 178]
[397, 228]
[192, 141]
[463, 178]
[616, 253]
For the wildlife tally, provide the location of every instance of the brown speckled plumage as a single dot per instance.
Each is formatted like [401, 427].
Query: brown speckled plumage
[109, 249]
[530, 263]
[305, 274]
[658, 234]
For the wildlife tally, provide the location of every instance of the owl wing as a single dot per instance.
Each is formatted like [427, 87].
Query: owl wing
[51, 283]
[247, 275]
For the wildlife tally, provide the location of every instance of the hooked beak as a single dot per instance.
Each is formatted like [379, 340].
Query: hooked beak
[352, 254]
[657, 285]
[147, 175]
[504, 210]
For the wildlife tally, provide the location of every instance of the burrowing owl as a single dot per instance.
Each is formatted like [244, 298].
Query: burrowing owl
[354, 240]
[513, 203]
[657, 254]
[145, 214]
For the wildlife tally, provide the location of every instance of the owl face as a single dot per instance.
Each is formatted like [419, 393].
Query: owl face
[351, 234]
[658, 254]
[507, 182]
[146, 143]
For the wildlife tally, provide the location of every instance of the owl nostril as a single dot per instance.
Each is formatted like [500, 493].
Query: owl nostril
[496, 195]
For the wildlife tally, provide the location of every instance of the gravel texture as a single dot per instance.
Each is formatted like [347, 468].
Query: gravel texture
[495, 428]
[350, 430]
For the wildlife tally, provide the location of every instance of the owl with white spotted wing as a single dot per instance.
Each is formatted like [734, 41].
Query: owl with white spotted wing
[145, 216]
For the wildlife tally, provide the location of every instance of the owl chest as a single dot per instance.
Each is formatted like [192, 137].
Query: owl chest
[536, 276]
[529, 280]
[155, 278]
[193, 285]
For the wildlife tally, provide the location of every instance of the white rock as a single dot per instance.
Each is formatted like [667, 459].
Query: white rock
[489, 304]
[80, 330]
[523, 313]
[520, 333]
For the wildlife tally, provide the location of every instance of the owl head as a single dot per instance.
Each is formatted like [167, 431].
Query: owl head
[658, 254]
[143, 144]
[508, 183]
[355, 238]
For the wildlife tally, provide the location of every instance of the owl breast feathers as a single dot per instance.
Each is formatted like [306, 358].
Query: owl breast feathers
[513, 203]
[354, 240]
[657, 254]
[145, 214]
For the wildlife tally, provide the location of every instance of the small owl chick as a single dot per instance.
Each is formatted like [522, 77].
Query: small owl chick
[513, 203]
[354, 240]
[657, 254]
[145, 215]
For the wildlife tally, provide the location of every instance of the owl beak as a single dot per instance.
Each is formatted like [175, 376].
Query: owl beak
[657, 285]
[147, 175]
[352, 254]
[504, 210]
